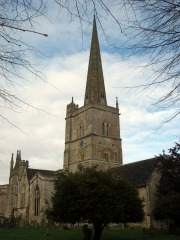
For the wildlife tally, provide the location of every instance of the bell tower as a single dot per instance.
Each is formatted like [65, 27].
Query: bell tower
[92, 135]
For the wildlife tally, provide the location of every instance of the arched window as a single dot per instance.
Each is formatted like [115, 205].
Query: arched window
[105, 129]
[36, 201]
[23, 196]
[81, 130]
[106, 156]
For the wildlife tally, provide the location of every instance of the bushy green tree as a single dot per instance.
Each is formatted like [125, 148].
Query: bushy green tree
[97, 197]
[167, 206]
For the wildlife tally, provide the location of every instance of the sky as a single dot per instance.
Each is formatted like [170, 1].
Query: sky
[62, 59]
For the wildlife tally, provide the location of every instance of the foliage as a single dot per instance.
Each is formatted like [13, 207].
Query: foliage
[96, 197]
[156, 27]
[167, 205]
[16, 18]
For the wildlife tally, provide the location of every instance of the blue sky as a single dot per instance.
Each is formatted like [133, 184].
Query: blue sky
[64, 62]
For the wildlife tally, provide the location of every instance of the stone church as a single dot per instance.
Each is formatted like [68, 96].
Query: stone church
[92, 137]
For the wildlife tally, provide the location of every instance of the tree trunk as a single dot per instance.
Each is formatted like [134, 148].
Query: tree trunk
[97, 232]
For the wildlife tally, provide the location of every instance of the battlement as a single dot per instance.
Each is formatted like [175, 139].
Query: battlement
[71, 107]
[24, 163]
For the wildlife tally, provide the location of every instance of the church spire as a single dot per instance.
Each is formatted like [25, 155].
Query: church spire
[95, 89]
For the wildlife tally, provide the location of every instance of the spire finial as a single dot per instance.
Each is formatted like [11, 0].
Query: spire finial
[94, 17]
[117, 103]
[72, 100]
[95, 89]
[18, 156]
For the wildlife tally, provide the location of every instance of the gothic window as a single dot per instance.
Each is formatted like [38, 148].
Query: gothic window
[23, 196]
[36, 201]
[105, 129]
[106, 156]
[81, 130]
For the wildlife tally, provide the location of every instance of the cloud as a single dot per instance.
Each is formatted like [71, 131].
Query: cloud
[42, 142]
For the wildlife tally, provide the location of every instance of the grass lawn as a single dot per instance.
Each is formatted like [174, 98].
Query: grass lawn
[59, 234]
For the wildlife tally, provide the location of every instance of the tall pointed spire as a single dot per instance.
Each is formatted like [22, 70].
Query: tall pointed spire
[95, 89]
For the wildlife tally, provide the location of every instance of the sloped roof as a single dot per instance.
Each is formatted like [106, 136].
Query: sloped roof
[138, 173]
[47, 173]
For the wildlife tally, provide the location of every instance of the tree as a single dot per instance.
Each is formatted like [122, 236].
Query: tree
[96, 197]
[167, 206]
[151, 28]
[16, 17]
[157, 25]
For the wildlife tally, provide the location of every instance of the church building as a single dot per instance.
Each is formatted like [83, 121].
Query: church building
[92, 131]
[92, 138]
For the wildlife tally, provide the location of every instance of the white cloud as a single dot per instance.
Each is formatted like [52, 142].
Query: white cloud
[43, 141]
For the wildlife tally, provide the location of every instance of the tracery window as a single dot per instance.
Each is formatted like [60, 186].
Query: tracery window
[36, 201]
[106, 156]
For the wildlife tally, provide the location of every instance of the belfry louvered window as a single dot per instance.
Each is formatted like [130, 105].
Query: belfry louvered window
[105, 129]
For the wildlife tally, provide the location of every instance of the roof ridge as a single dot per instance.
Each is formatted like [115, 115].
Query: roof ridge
[41, 169]
[140, 161]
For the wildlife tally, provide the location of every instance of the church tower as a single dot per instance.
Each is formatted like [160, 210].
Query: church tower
[92, 135]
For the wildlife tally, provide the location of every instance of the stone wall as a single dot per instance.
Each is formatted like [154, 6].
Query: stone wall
[45, 186]
[18, 194]
[92, 137]
[153, 183]
[144, 196]
[3, 200]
